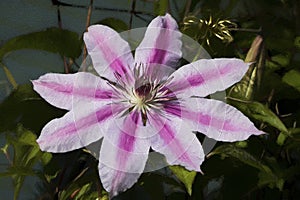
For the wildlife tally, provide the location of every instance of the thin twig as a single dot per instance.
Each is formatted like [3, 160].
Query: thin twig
[5, 152]
[238, 100]
[99, 189]
[87, 24]
[9, 76]
[142, 18]
[59, 21]
[174, 2]
[169, 8]
[132, 13]
[124, 10]
[246, 30]
[101, 8]
[187, 7]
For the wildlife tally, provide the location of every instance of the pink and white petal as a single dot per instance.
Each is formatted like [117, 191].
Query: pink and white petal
[66, 90]
[215, 119]
[207, 76]
[175, 140]
[123, 155]
[161, 44]
[79, 127]
[111, 55]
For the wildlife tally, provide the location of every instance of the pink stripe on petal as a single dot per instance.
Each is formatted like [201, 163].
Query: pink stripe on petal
[70, 90]
[158, 56]
[102, 94]
[195, 80]
[116, 65]
[126, 142]
[204, 119]
[55, 86]
[173, 108]
[167, 135]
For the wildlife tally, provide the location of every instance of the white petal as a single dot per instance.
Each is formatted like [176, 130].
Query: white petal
[175, 140]
[207, 76]
[123, 154]
[161, 44]
[111, 55]
[78, 128]
[67, 90]
[215, 119]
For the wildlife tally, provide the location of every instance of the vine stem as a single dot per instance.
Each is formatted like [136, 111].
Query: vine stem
[246, 30]
[5, 152]
[66, 67]
[9, 76]
[56, 2]
[187, 7]
[87, 24]
[132, 12]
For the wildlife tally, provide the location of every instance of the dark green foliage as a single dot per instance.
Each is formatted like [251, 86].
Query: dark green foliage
[26, 107]
[26, 156]
[54, 40]
[114, 23]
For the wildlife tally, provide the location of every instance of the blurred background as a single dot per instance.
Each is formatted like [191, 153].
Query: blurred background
[41, 36]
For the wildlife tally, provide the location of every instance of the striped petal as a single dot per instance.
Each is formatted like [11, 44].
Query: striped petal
[161, 44]
[207, 76]
[66, 90]
[78, 128]
[175, 140]
[123, 154]
[111, 55]
[215, 119]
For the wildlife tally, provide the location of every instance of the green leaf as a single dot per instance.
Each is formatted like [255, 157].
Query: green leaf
[297, 42]
[246, 87]
[46, 157]
[281, 138]
[271, 176]
[254, 49]
[115, 24]
[230, 150]
[185, 176]
[26, 155]
[79, 178]
[292, 78]
[270, 179]
[54, 40]
[161, 7]
[9, 76]
[274, 178]
[85, 192]
[284, 135]
[260, 112]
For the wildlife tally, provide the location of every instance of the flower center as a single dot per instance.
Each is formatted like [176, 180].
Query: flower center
[144, 90]
[148, 93]
[142, 96]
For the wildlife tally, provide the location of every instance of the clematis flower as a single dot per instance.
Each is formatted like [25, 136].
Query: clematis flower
[138, 104]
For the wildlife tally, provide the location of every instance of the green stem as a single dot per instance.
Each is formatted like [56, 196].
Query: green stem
[9, 76]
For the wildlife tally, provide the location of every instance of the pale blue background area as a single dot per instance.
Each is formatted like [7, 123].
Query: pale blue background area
[24, 16]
